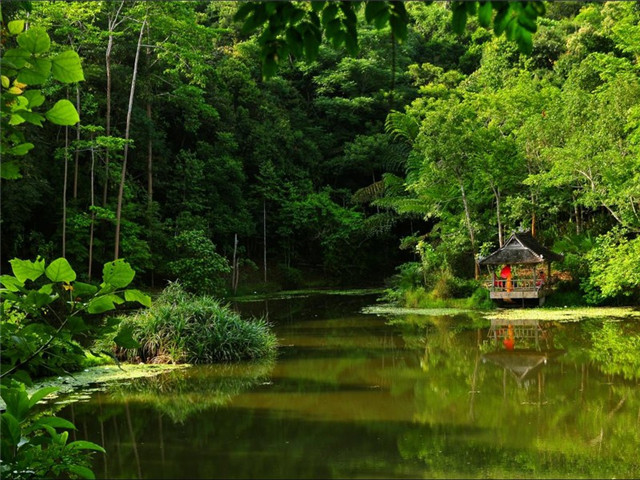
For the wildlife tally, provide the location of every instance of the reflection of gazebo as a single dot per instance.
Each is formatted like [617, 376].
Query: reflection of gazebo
[521, 249]
[521, 363]
[525, 331]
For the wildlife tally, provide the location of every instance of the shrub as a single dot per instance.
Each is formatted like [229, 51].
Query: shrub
[292, 278]
[197, 266]
[181, 327]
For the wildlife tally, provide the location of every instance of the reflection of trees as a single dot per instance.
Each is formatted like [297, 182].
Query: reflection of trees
[180, 394]
[434, 403]
[573, 414]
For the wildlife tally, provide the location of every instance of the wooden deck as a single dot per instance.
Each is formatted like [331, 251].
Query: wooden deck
[521, 288]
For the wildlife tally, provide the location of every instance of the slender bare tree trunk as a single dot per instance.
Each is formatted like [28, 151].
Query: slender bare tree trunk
[113, 23]
[108, 119]
[64, 192]
[234, 263]
[126, 145]
[149, 160]
[533, 215]
[93, 213]
[77, 152]
[264, 236]
[496, 194]
[472, 238]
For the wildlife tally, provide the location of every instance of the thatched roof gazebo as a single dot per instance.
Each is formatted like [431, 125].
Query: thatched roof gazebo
[521, 249]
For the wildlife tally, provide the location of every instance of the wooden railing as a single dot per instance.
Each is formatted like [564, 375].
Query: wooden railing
[518, 284]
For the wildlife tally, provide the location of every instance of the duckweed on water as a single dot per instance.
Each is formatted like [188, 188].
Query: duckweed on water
[563, 315]
[102, 376]
[391, 310]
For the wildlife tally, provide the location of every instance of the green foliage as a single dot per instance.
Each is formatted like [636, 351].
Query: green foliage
[197, 266]
[615, 267]
[30, 64]
[36, 445]
[292, 28]
[43, 313]
[181, 327]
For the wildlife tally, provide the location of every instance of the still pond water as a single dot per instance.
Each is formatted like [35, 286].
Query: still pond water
[365, 396]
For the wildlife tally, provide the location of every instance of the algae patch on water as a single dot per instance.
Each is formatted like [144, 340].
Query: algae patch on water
[98, 377]
[391, 310]
[565, 315]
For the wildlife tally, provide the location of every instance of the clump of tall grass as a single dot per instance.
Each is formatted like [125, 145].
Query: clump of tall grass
[181, 327]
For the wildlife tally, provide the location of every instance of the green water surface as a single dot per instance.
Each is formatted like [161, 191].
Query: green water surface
[359, 396]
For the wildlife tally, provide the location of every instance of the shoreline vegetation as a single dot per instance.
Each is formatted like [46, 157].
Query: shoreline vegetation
[100, 376]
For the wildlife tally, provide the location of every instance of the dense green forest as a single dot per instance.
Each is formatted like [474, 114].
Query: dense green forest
[429, 150]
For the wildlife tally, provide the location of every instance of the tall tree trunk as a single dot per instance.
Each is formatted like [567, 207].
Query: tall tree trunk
[533, 215]
[77, 152]
[472, 238]
[64, 192]
[93, 213]
[149, 160]
[264, 237]
[234, 264]
[126, 145]
[108, 119]
[496, 194]
[113, 23]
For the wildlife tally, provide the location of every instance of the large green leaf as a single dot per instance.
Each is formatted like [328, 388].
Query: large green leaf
[104, 303]
[40, 394]
[32, 118]
[26, 269]
[11, 283]
[15, 27]
[21, 149]
[35, 98]
[82, 472]
[125, 339]
[10, 428]
[9, 170]
[67, 67]
[60, 271]
[133, 295]
[15, 58]
[35, 40]
[55, 422]
[83, 290]
[36, 75]
[63, 113]
[16, 401]
[85, 445]
[118, 273]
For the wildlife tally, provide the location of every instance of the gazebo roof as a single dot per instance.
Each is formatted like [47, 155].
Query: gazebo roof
[521, 248]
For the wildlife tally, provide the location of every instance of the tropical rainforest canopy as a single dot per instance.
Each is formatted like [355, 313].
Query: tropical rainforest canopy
[423, 145]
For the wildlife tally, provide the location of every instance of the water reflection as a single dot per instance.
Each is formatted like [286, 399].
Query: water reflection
[355, 395]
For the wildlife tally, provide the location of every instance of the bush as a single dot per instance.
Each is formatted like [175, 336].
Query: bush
[181, 327]
[197, 266]
[481, 300]
[292, 278]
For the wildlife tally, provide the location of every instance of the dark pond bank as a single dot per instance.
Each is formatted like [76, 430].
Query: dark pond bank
[354, 396]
